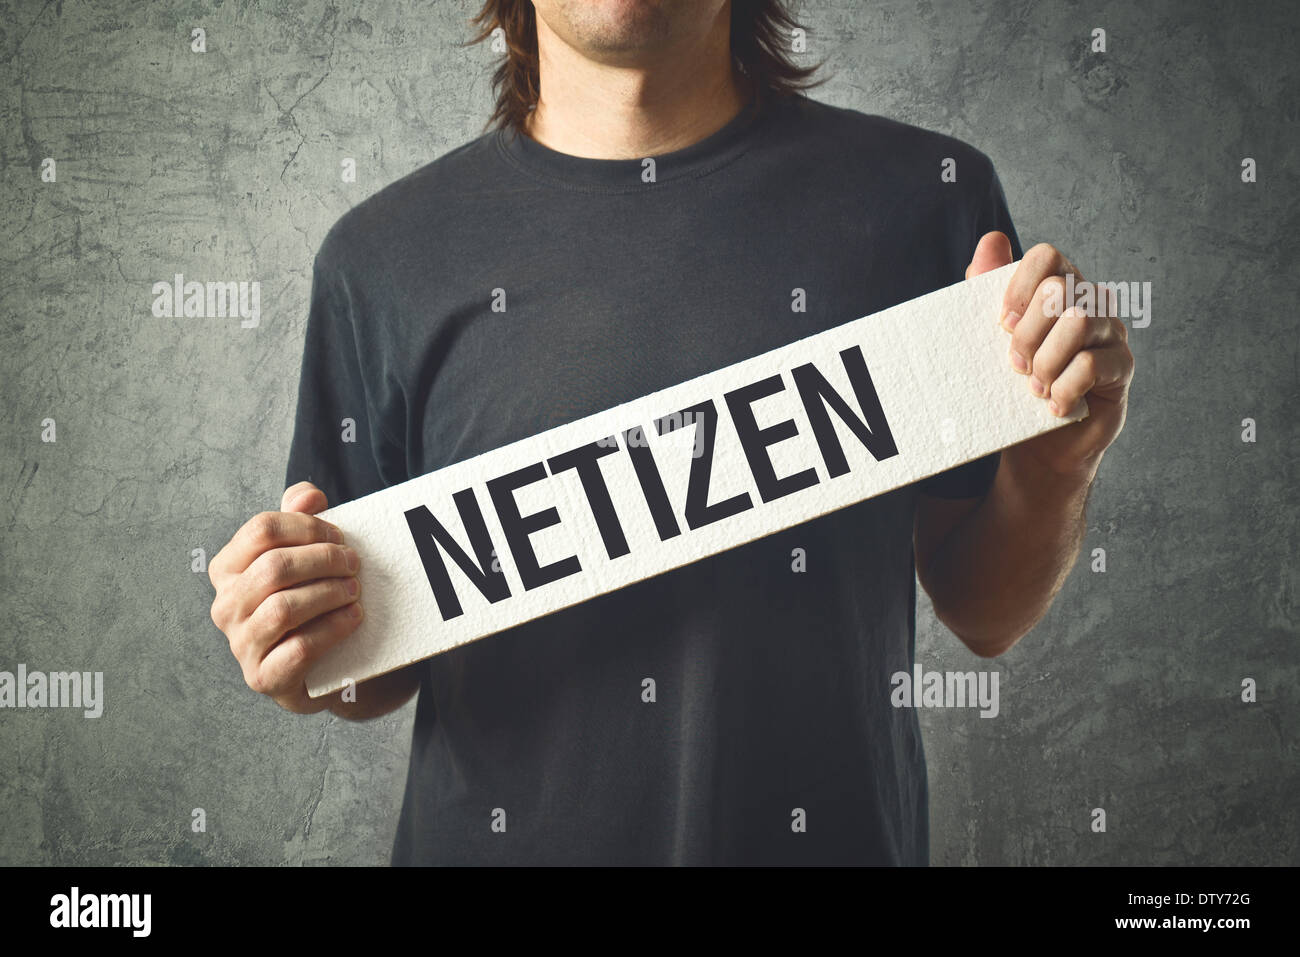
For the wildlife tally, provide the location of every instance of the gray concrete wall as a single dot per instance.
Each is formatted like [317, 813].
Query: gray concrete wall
[169, 432]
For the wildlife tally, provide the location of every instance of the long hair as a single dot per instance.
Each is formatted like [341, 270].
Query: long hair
[761, 31]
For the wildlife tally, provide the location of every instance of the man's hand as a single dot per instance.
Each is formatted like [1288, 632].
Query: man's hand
[287, 592]
[1064, 355]
[994, 565]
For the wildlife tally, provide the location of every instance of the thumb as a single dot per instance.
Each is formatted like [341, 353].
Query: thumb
[303, 497]
[994, 250]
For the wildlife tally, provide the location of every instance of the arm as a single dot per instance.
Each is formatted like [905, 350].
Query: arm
[379, 696]
[993, 566]
[283, 605]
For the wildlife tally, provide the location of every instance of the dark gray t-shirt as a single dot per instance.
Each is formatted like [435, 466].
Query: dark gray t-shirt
[771, 685]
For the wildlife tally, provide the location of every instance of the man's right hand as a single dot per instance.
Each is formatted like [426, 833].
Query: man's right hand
[287, 591]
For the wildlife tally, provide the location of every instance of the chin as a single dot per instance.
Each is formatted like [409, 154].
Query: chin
[624, 27]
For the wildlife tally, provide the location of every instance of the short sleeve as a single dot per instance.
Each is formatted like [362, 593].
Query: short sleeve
[338, 443]
[973, 479]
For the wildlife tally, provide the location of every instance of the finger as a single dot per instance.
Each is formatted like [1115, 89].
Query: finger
[269, 530]
[1100, 371]
[1073, 332]
[992, 252]
[1040, 315]
[282, 568]
[1038, 263]
[290, 608]
[284, 668]
[303, 497]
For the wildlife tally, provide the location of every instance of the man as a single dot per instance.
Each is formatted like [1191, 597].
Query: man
[644, 218]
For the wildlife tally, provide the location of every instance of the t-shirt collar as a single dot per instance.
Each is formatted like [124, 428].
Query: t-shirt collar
[579, 172]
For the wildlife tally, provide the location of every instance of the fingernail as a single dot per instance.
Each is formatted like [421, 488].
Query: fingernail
[352, 586]
[336, 535]
[1035, 386]
[1009, 320]
[354, 610]
[1018, 362]
[1053, 408]
[353, 559]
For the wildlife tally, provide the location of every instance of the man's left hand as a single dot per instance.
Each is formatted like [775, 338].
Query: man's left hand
[1064, 355]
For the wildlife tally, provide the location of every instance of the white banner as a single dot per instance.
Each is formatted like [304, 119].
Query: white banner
[681, 474]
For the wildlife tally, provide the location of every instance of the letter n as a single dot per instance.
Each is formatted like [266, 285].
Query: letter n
[429, 534]
[871, 430]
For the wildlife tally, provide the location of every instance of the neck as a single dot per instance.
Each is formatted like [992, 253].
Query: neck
[603, 110]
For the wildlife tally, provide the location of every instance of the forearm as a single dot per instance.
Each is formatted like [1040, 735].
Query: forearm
[378, 696]
[996, 574]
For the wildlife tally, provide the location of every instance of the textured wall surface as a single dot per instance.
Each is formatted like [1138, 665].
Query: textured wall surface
[170, 432]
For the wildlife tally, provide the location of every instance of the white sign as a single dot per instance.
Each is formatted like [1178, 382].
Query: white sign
[681, 474]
